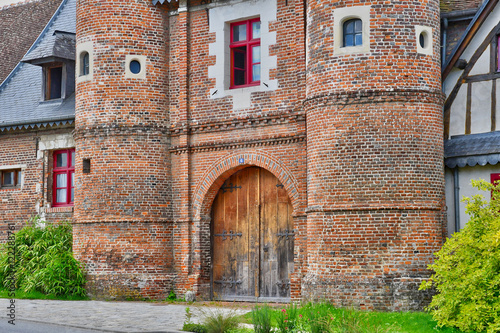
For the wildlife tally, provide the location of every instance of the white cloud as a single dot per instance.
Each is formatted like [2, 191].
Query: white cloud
[8, 2]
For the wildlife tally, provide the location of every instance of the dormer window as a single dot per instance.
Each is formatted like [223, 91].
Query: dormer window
[54, 81]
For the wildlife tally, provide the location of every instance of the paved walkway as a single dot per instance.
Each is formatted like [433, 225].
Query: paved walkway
[109, 316]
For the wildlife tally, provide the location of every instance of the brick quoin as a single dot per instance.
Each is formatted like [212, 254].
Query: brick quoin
[356, 140]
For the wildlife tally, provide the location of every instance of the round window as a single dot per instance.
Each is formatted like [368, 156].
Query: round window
[135, 67]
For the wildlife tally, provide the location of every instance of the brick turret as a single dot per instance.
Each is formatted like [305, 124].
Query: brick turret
[375, 151]
[122, 229]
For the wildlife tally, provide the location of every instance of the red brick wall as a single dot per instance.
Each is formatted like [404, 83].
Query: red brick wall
[160, 149]
[18, 205]
[123, 131]
[375, 152]
[122, 207]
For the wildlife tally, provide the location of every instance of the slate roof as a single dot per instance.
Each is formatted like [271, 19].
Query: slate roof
[21, 104]
[60, 45]
[20, 25]
[473, 149]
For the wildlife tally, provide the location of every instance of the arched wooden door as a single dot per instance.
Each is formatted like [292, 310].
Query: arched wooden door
[252, 238]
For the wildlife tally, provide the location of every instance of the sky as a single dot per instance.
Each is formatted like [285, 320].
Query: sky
[8, 2]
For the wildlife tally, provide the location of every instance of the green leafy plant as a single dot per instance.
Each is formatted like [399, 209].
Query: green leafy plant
[261, 319]
[193, 327]
[317, 315]
[171, 296]
[467, 269]
[287, 318]
[44, 260]
[219, 320]
[189, 326]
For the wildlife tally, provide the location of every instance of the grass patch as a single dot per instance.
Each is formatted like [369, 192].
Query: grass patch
[323, 317]
[408, 322]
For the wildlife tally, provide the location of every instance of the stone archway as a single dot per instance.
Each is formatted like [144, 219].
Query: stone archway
[216, 175]
[204, 195]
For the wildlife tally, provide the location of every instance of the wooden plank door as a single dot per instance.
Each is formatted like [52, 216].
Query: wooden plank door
[252, 241]
[235, 221]
[277, 238]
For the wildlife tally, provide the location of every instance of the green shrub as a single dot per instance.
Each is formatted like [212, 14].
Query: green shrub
[287, 318]
[192, 327]
[172, 296]
[261, 319]
[317, 317]
[218, 320]
[467, 269]
[44, 261]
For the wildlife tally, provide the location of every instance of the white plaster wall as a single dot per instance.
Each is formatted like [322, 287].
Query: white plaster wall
[481, 107]
[457, 112]
[466, 174]
[497, 111]
[220, 19]
[482, 66]
[450, 81]
[483, 31]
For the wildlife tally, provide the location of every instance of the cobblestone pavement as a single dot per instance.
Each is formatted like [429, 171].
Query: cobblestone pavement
[110, 316]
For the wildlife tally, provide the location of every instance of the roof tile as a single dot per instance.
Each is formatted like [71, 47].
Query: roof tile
[454, 5]
[20, 25]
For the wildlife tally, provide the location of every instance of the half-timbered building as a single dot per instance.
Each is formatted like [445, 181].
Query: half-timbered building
[472, 138]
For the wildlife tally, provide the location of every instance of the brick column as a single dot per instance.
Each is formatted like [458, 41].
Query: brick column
[123, 218]
[375, 154]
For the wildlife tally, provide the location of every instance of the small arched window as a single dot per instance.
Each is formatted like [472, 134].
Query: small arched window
[84, 64]
[353, 32]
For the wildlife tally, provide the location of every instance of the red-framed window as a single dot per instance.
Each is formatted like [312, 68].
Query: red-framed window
[494, 177]
[498, 53]
[245, 53]
[63, 190]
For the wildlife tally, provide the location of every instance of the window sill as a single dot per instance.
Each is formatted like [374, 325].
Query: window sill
[55, 101]
[62, 209]
[245, 85]
[10, 189]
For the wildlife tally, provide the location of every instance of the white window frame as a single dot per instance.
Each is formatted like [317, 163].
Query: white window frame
[220, 19]
[342, 15]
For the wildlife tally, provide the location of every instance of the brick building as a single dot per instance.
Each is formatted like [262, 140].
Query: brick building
[244, 150]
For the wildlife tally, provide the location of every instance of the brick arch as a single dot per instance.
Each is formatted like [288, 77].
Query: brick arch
[211, 181]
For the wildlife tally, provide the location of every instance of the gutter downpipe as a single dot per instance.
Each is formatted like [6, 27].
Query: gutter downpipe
[445, 35]
[456, 198]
